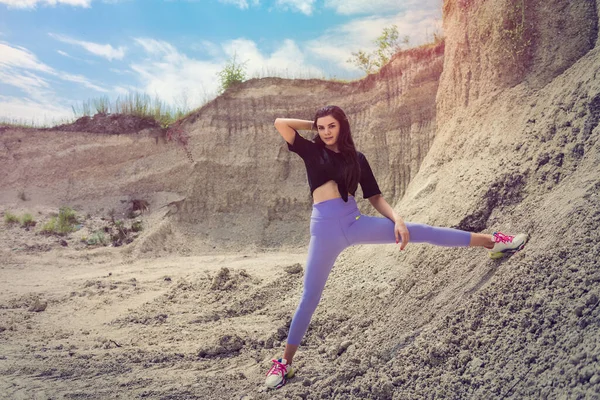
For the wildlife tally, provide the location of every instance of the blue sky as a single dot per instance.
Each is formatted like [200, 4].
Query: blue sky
[58, 53]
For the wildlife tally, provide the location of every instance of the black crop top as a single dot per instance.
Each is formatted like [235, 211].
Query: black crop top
[323, 165]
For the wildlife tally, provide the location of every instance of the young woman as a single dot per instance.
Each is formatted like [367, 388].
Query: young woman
[334, 170]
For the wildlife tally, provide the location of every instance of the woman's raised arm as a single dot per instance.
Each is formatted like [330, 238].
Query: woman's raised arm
[286, 126]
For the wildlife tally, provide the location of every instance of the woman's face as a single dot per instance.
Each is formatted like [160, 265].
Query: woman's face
[329, 130]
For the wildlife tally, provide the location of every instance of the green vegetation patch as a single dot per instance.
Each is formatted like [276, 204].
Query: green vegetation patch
[27, 220]
[96, 238]
[49, 226]
[137, 226]
[137, 104]
[232, 74]
[63, 223]
[388, 44]
[10, 218]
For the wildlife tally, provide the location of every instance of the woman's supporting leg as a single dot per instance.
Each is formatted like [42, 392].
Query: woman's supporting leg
[378, 230]
[289, 352]
[322, 254]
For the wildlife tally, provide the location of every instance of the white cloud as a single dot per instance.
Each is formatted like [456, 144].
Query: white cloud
[120, 71]
[81, 80]
[34, 3]
[125, 90]
[26, 81]
[156, 47]
[207, 47]
[65, 54]
[26, 110]
[15, 60]
[16, 56]
[171, 74]
[176, 78]
[21, 69]
[348, 7]
[303, 6]
[243, 4]
[287, 61]
[337, 44]
[102, 50]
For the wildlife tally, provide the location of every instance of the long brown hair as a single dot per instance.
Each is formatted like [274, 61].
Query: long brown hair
[351, 172]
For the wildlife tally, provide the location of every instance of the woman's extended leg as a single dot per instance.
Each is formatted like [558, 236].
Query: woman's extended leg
[366, 229]
[378, 230]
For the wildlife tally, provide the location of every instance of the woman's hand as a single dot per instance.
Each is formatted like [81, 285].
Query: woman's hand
[401, 232]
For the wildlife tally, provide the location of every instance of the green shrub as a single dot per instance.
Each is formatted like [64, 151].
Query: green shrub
[66, 220]
[10, 218]
[137, 226]
[388, 43]
[102, 105]
[138, 104]
[62, 224]
[27, 220]
[121, 231]
[50, 226]
[232, 73]
[97, 238]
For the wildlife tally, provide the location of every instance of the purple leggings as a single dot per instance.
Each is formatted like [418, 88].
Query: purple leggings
[336, 225]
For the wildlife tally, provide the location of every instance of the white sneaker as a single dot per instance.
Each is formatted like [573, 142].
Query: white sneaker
[279, 373]
[507, 244]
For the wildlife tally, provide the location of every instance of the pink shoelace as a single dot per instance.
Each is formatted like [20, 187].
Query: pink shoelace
[277, 368]
[500, 237]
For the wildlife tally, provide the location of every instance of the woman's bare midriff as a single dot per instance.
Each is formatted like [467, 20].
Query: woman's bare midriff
[327, 191]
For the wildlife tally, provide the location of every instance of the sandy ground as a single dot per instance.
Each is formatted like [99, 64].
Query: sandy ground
[146, 328]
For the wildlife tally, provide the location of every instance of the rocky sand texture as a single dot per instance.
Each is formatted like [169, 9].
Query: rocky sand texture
[179, 313]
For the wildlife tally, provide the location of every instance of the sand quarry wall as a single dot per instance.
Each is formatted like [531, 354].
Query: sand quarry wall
[245, 178]
[235, 183]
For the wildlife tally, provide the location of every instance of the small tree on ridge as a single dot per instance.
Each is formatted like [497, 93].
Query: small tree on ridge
[233, 72]
[388, 44]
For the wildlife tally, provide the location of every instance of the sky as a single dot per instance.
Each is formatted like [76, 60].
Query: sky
[55, 54]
